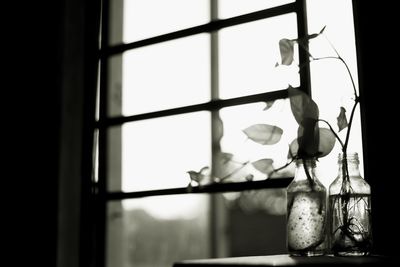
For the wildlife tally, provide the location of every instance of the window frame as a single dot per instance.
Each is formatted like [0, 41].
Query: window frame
[99, 188]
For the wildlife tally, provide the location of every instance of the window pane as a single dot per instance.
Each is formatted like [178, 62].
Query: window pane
[157, 231]
[148, 18]
[160, 230]
[249, 53]
[158, 153]
[331, 84]
[244, 152]
[255, 221]
[166, 75]
[230, 8]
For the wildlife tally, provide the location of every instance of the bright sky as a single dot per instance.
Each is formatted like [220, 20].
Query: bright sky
[158, 153]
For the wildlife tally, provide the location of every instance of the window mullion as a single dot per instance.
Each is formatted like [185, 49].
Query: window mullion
[99, 245]
[214, 25]
[218, 242]
[305, 78]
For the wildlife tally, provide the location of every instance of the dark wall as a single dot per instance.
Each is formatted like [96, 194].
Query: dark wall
[53, 66]
[31, 101]
[375, 25]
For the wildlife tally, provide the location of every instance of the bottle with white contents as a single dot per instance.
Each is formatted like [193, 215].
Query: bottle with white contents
[306, 212]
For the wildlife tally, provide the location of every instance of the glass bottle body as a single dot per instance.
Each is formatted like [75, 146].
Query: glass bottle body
[306, 212]
[350, 231]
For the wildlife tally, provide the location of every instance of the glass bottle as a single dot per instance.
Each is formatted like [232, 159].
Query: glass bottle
[350, 210]
[306, 212]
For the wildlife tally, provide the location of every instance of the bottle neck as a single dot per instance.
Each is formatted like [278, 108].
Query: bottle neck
[305, 169]
[352, 163]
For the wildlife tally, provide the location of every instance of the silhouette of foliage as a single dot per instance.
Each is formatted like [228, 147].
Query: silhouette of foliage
[312, 141]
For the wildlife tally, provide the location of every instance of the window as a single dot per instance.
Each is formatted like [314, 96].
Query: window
[179, 82]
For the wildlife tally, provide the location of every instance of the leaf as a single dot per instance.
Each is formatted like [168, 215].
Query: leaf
[311, 111]
[304, 40]
[200, 175]
[249, 177]
[264, 134]
[341, 119]
[195, 176]
[293, 148]
[308, 138]
[205, 170]
[311, 36]
[327, 141]
[226, 157]
[302, 106]
[287, 51]
[264, 165]
[269, 104]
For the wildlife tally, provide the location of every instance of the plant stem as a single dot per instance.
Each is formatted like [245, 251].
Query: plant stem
[349, 125]
[284, 166]
[344, 198]
[344, 62]
[356, 100]
[351, 76]
[347, 68]
[309, 178]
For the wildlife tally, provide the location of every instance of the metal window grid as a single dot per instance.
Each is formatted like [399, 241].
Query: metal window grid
[99, 188]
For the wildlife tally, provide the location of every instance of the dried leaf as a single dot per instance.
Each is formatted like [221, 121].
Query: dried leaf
[323, 29]
[341, 119]
[287, 51]
[264, 165]
[302, 106]
[269, 104]
[327, 141]
[264, 134]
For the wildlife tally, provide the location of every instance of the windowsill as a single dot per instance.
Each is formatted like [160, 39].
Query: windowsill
[286, 260]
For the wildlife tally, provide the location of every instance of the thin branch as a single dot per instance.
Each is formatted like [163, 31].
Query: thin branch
[344, 62]
[283, 167]
[356, 100]
[351, 77]
[333, 47]
[347, 68]
[321, 58]
[309, 178]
